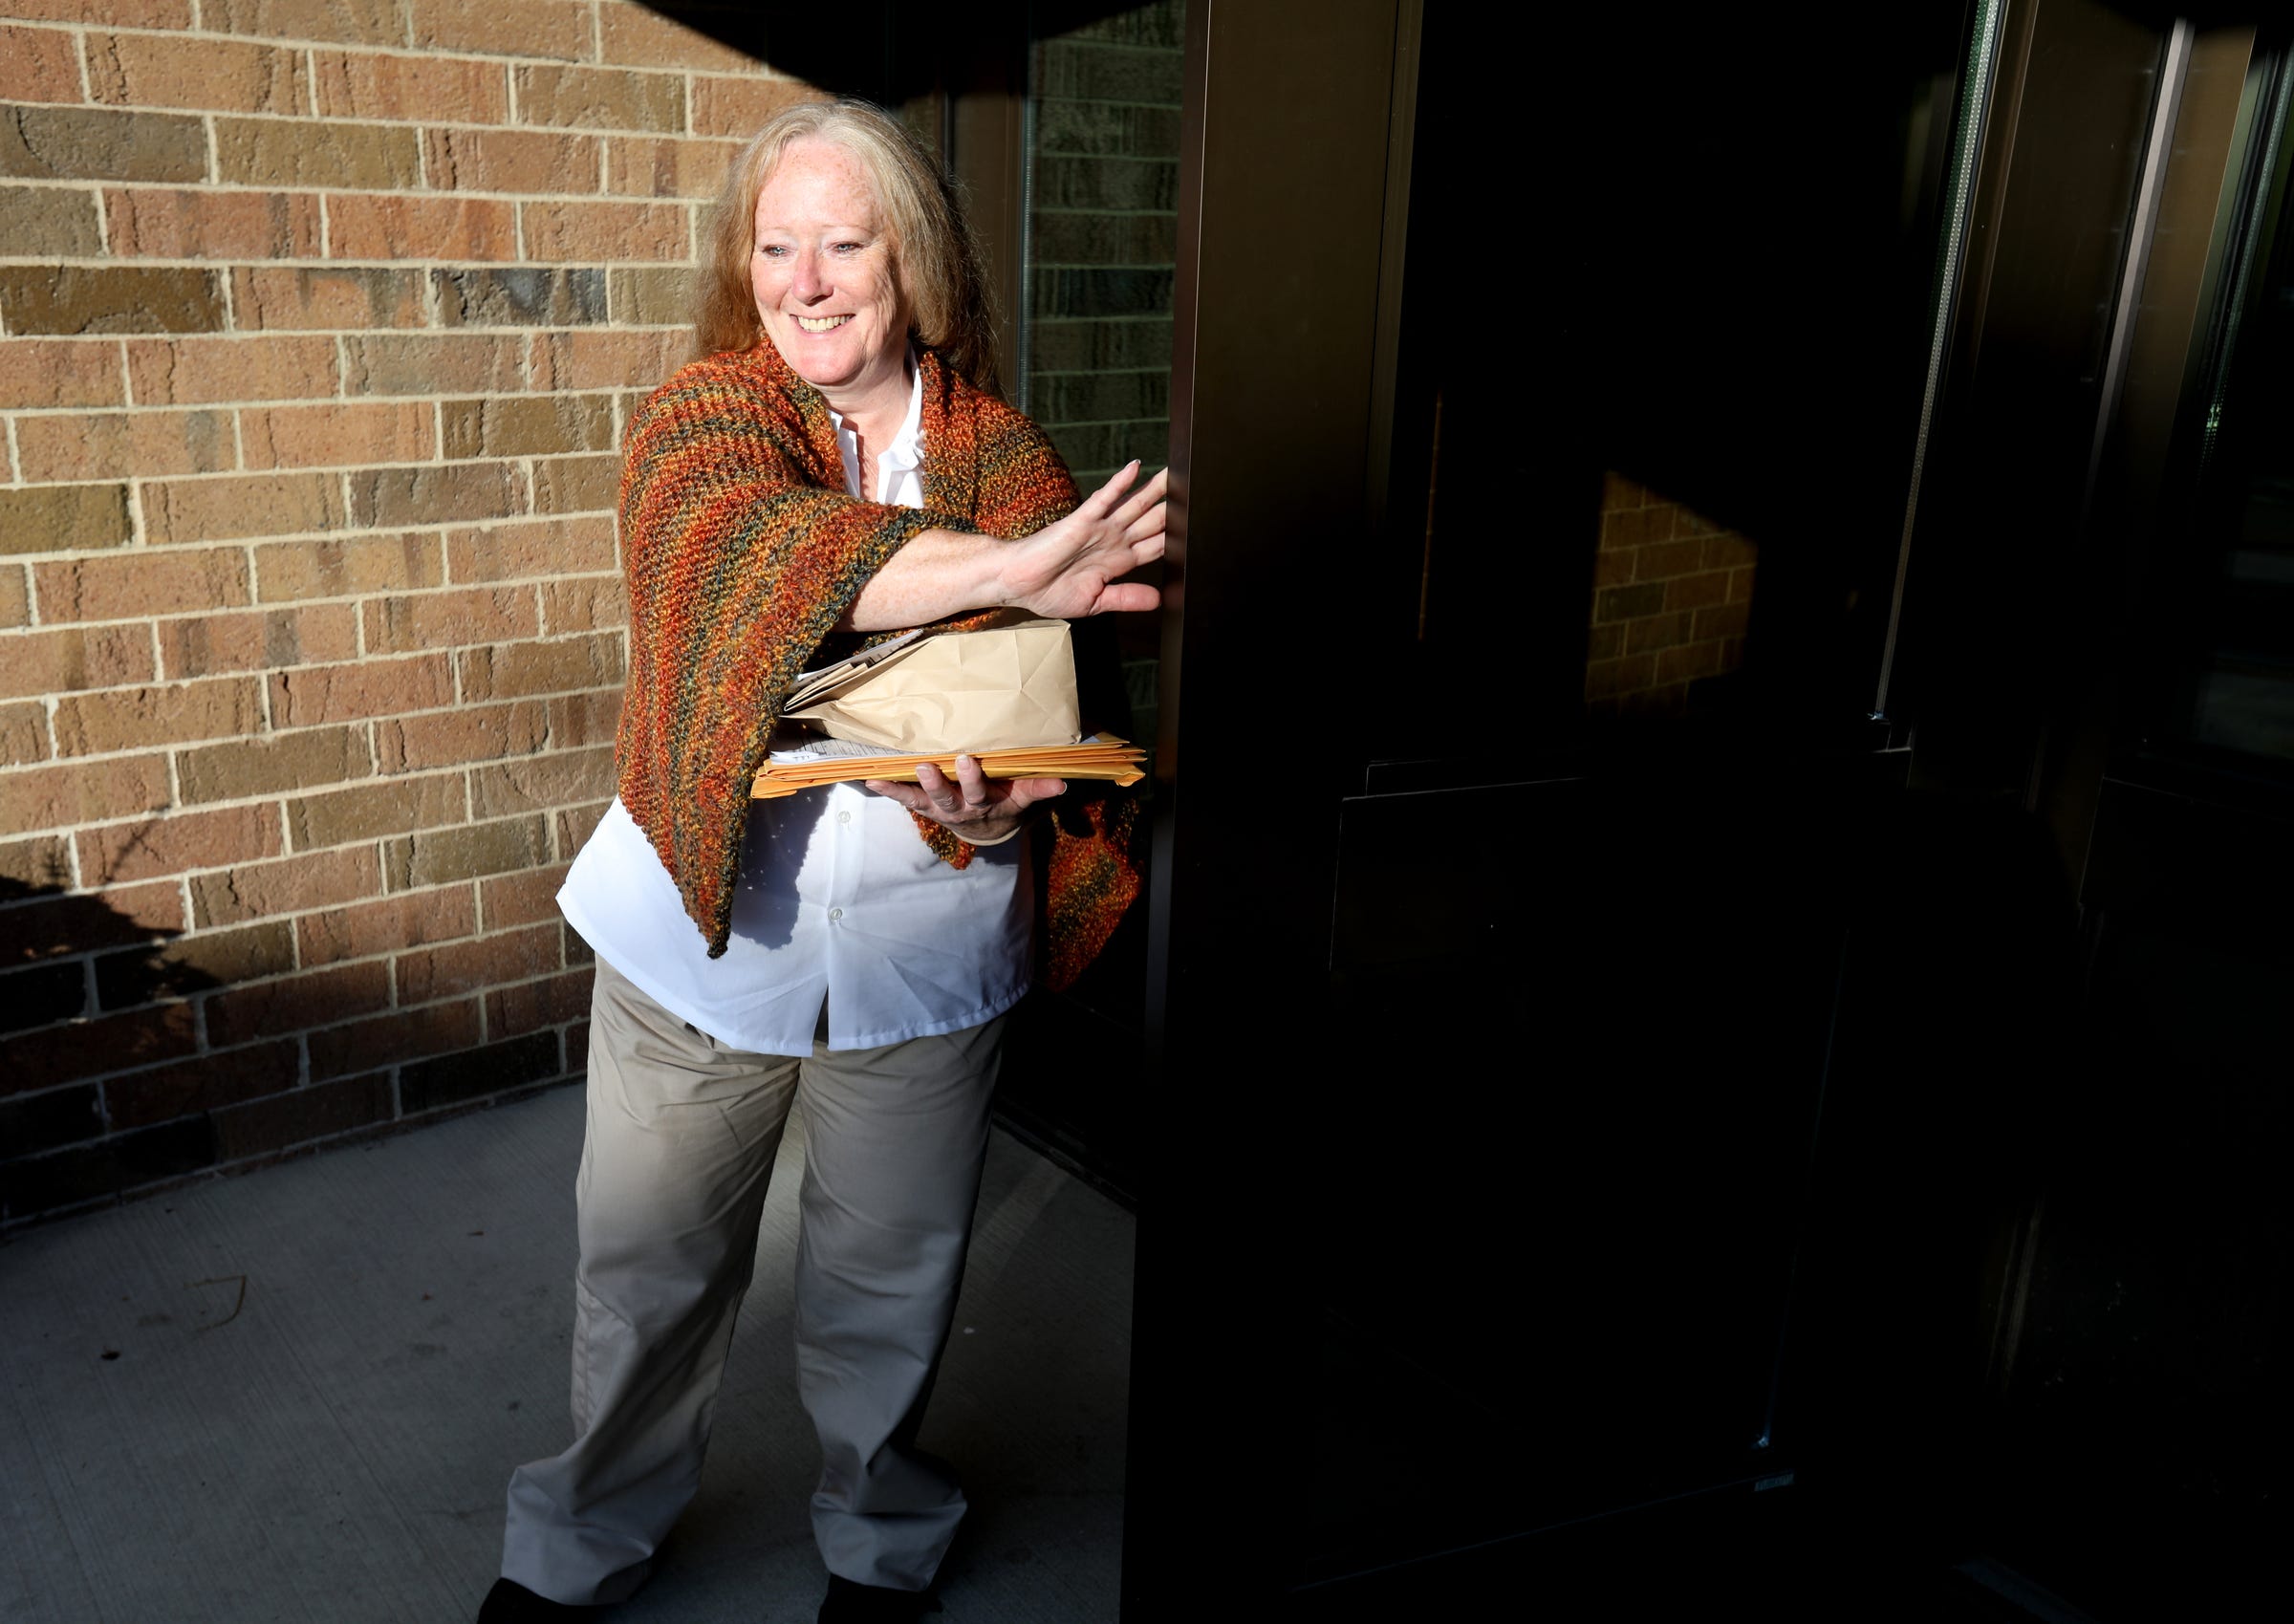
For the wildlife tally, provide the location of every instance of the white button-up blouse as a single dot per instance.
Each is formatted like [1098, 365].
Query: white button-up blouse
[839, 900]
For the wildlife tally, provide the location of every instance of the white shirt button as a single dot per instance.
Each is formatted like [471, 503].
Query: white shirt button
[835, 913]
[844, 817]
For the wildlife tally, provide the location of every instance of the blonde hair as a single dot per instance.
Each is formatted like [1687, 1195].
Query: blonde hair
[936, 259]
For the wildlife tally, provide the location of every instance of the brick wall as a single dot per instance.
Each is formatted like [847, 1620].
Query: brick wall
[318, 323]
[1103, 231]
[1672, 593]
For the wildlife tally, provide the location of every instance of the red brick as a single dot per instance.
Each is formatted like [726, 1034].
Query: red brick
[382, 498]
[446, 619]
[74, 658]
[15, 600]
[1722, 620]
[353, 22]
[520, 899]
[466, 852]
[588, 603]
[313, 694]
[405, 363]
[269, 765]
[1681, 665]
[209, 644]
[111, 14]
[42, 862]
[291, 885]
[370, 810]
[302, 1116]
[186, 372]
[1657, 631]
[41, 64]
[87, 1048]
[152, 847]
[51, 927]
[1695, 592]
[122, 445]
[1607, 677]
[290, 570]
[159, 583]
[1739, 586]
[299, 153]
[510, 161]
[667, 165]
[189, 224]
[574, 825]
[77, 793]
[163, 1092]
[413, 228]
[584, 718]
[1728, 551]
[268, 297]
[226, 75]
[642, 37]
[517, 669]
[223, 509]
[546, 548]
[509, 28]
[466, 733]
[357, 85]
[1665, 560]
[368, 929]
[599, 98]
[553, 1002]
[607, 360]
[62, 372]
[24, 734]
[576, 484]
[193, 963]
[302, 437]
[538, 783]
[483, 962]
[381, 1040]
[592, 231]
[739, 106]
[124, 719]
[290, 1003]
[59, 518]
[525, 426]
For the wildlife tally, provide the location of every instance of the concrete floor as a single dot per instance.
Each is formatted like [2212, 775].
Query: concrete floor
[298, 1396]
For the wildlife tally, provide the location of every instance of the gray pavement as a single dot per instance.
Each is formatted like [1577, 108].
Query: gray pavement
[297, 1394]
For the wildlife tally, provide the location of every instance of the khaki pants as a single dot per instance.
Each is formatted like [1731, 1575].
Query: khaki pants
[681, 1141]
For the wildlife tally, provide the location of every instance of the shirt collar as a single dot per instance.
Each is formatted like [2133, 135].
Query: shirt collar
[906, 449]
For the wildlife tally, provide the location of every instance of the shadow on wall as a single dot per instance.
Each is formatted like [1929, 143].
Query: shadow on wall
[63, 958]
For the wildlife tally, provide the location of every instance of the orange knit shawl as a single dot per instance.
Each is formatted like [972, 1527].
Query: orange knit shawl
[742, 553]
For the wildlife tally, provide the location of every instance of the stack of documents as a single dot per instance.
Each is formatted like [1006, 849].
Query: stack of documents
[843, 761]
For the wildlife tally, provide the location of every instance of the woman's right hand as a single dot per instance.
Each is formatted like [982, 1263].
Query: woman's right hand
[1068, 569]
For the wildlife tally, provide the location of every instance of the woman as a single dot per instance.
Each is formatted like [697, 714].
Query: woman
[837, 462]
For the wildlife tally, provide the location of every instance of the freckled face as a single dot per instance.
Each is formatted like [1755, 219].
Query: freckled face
[824, 273]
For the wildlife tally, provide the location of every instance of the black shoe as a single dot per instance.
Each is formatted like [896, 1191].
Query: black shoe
[850, 1603]
[509, 1602]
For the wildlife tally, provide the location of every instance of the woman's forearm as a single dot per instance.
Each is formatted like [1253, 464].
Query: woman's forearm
[938, 574]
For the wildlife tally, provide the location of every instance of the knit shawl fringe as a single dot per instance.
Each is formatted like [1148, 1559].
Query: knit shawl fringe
[744, 551]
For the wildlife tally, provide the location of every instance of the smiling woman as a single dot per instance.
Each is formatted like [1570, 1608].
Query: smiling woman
[836, 459]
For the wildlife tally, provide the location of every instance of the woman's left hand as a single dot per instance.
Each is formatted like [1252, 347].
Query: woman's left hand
[978, 808]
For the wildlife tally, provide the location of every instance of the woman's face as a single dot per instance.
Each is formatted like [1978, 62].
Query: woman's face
[826, 278]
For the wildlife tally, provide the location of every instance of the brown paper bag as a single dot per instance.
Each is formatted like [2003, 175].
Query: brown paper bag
[1008, 688]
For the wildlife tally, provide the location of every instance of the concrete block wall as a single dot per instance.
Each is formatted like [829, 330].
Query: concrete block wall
[319, 320]
[1671, 598]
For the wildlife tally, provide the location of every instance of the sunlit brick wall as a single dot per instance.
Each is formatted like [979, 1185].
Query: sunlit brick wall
[318, 323]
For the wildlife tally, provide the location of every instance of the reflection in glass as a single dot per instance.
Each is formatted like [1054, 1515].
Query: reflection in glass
[1671, 599]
